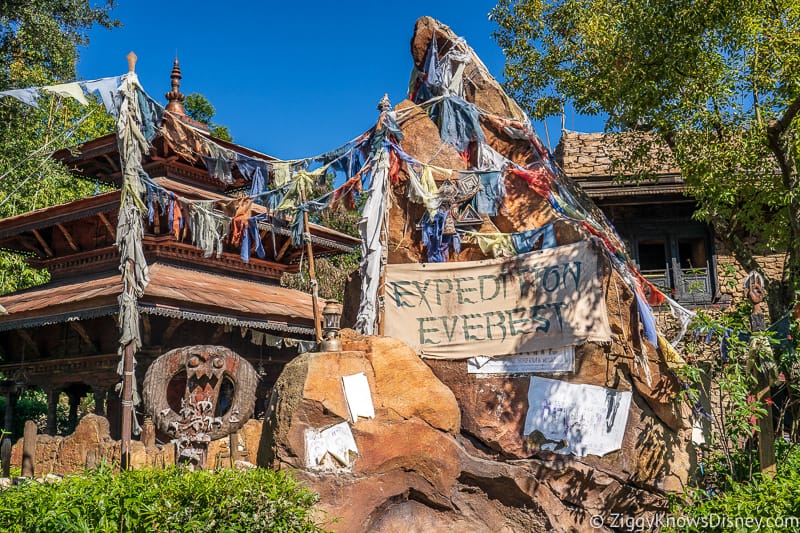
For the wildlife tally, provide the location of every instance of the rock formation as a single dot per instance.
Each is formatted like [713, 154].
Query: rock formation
[445, 450]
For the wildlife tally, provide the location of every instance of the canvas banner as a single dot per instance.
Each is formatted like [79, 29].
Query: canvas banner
[536, 301]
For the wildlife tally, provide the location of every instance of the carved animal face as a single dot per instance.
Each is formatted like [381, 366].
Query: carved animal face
[204, 373]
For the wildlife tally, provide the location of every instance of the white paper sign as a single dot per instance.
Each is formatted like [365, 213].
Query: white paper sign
[577, 419]
[358, 396]
[336, 442]
[555, 360]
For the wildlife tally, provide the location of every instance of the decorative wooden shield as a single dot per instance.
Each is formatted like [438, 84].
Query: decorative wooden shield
[206, 408]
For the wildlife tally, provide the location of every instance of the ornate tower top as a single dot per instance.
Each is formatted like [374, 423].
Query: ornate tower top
[175, 97]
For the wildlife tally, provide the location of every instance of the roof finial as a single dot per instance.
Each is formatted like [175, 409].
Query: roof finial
[175, 97]
[384, 104]
[131, 57]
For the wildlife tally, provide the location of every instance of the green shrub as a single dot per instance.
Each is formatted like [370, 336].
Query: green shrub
[171, 500]
[765, 501]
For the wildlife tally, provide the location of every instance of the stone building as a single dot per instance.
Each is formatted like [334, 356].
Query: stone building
[654, 217]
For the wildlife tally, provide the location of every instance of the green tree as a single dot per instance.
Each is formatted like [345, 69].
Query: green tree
[717, 81]
[200, 109]
[39, 46]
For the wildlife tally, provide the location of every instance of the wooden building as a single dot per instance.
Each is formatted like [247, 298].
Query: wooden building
[653, 216]
[63, 336]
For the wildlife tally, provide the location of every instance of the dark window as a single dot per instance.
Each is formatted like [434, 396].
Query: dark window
[678, 265]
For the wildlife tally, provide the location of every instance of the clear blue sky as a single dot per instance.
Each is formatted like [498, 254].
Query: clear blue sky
[291, 79]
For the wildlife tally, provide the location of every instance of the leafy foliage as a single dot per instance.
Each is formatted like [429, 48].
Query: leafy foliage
[171, 500]
[717, 82]
[32, 405]
[763, 497]
[38, 46]
[200, 109]
[333, 272]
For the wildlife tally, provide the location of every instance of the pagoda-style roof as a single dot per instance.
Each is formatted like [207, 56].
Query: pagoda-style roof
[78, 237]
[172, 292]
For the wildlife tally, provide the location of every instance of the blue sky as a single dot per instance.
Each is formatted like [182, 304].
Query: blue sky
[291, 79]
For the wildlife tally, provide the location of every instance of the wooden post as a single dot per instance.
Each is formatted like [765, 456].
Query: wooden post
[74, 401]
[381, 308]
[384, 106]
[148, 437]
[52, 403]
[127, 406]
[11, 403]
[754, 285]
[99, 393]
[29, 449]
[5, 456]
[312, 272]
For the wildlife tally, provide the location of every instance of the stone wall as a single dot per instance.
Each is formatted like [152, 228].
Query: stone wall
[91, 445]
[731, 274]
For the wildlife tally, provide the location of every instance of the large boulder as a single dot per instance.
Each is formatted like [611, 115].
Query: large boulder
[445, 450]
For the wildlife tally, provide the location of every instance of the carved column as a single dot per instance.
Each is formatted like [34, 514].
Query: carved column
[74, 401]
[113, 412]
[99, 392]
[11, 404]
[53, 396]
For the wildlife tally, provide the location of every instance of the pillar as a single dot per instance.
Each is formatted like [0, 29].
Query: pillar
[99, 392]
[53, 396]
[112, 412]
[74, 401]
[11, 404]
[29, 449]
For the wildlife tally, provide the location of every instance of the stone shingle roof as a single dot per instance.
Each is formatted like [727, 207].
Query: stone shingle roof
[593, 155]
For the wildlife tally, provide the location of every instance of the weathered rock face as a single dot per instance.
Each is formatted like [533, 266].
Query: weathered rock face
[453, 457]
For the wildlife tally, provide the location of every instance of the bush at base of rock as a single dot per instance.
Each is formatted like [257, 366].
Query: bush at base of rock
[171, 500]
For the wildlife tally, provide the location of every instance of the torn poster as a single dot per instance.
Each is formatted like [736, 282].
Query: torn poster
[358, 396]
[553, 360]
[577, 419]
[545, 299]
[327, 447]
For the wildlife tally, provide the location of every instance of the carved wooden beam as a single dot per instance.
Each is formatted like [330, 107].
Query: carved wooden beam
[111, 162]
[283, 249]
[28, 340]
[156, 219]
[108, 226]
[48, 252]
[80, 330]
[173, 326]
[68, 237]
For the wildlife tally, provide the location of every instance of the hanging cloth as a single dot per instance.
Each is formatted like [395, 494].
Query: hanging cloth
[422, 189]
[459, 122]
[281, 173]
[68, 90]
[241, 217]
[524, 241]
[495, 244]
[254, 170]
[209, 227]
[648, 320]
[491, 193]
[108, 90]
[490, 159]
[27, 96]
